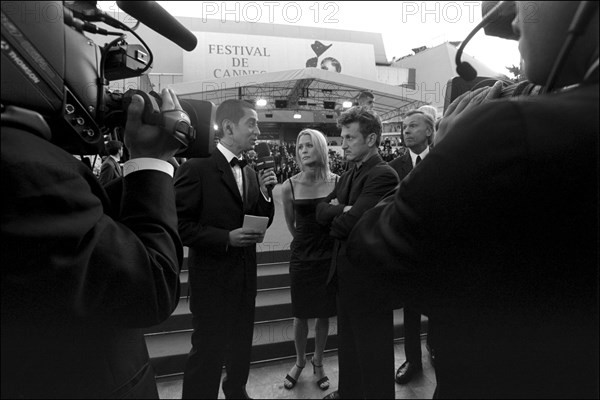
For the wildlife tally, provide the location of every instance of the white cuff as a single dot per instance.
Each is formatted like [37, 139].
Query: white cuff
[267, 198]
[138, 164]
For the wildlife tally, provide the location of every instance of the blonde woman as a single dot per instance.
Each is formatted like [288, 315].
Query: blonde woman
[311, 251]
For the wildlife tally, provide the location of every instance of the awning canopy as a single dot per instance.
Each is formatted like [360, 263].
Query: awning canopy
[309, 89]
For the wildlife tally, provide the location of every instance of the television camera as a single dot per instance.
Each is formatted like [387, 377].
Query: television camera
[55, 77]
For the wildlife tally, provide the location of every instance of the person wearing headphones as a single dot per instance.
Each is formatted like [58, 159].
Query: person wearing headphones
[495, 235]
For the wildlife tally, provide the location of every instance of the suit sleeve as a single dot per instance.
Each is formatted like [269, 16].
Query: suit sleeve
[189, 195]
[67, 257]
[326, 212]
[381, 180]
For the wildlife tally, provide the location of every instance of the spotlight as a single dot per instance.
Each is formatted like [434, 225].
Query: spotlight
[347, 104]
[297, 116]
[261, 102]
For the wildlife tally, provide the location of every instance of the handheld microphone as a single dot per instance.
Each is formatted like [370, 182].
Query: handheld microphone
[265, 160]
[158, 19]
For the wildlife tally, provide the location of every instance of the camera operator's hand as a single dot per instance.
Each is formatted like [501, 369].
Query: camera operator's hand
[243, 237]
[466, 102]
[144, 140]
[267, 177]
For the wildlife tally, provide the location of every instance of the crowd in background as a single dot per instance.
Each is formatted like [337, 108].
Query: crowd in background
[286, 165]
[284, 156]
[285, 159]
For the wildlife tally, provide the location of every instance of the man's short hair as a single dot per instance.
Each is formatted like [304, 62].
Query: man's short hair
[232, 110]
[430, 110]
[428, 119]
[365, 99]
[368, 121]
[112, 147]
[366, 94]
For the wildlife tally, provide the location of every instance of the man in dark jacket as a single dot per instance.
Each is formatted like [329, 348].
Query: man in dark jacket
[365, 322]
[495, 234]
[213, 195]
[110, 168]
[418, 135]
[80, 274]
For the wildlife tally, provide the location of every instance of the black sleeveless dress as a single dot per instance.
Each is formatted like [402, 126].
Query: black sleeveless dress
[310, 260]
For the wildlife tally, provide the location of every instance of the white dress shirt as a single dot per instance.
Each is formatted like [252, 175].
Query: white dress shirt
[413, 156]
[237, 171]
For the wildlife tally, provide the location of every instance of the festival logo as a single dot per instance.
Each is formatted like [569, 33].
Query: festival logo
[328, 63]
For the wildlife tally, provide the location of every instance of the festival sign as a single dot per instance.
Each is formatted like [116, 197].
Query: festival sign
[224, 55]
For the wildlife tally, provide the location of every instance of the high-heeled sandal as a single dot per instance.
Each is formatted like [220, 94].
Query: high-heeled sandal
[322, 383]
[290, 382]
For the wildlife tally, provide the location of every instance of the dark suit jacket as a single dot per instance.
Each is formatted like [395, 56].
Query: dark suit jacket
[362, 191]
[209, 206]
[76, 283]
[109, 171]
[496, 236]
[402, 165]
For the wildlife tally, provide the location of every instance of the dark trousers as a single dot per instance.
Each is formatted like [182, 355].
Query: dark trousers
[412, 336]
[365, 336]
[222, 334]
[366, 354]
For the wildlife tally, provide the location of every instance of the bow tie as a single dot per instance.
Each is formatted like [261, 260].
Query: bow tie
[236, 161]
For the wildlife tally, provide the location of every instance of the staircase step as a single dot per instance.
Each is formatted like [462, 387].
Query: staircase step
[262, 257]
[265, 255]
[170, 342]
[273, 275]
[271, 304]
[272, 339]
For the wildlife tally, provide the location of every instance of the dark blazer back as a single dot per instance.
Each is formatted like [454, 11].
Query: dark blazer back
[109, 171]
[76, 284]
[501, 247]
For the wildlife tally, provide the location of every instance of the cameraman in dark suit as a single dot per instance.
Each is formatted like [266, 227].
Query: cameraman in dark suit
[213, 195]
[495, 234]
[81, 274]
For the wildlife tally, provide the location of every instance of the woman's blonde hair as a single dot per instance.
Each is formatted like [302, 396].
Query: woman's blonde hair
[320, 144]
